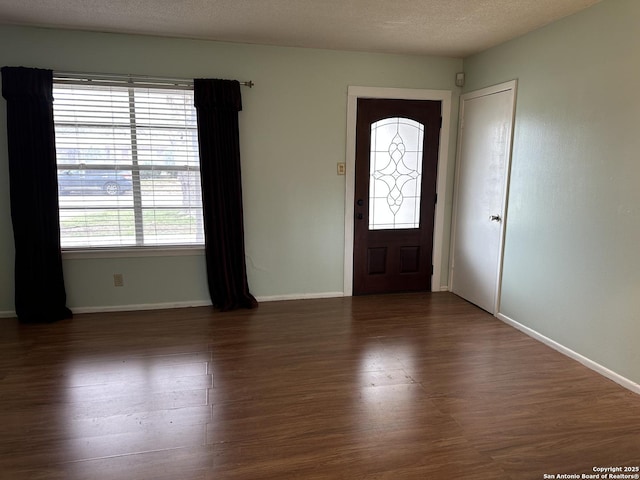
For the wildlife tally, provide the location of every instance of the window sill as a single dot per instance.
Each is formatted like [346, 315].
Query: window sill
[168, 251]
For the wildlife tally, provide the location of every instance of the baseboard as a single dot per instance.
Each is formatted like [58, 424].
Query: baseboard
[140, 306]
[188, 304]
[299, 296]
[604, 371]
[444, 288]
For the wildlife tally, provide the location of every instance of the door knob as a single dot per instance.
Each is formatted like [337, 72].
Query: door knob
[360, 202]
[495, 218]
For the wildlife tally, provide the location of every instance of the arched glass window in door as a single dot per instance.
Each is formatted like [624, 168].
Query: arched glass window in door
[395, 174]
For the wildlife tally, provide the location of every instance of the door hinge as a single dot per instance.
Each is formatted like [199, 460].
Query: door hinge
[435, 200]
[440, 122]
[431, 269]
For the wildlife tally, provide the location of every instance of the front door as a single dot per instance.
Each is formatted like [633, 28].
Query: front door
[397, 145]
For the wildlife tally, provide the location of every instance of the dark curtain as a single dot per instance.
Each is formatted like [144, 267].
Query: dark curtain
[218, 103]
[39, 285]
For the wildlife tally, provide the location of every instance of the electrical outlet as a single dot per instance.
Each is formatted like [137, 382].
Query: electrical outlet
[342, 168]
[118, 280]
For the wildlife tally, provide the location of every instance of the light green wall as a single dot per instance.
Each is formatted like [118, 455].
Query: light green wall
[572, 253]
[293, 131]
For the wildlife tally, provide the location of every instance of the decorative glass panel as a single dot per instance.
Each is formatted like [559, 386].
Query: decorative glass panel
[395, 174]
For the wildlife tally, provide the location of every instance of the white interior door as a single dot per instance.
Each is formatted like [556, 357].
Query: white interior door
[484, 154]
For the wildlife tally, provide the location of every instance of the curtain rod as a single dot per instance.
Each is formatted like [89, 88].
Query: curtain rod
[139, 78]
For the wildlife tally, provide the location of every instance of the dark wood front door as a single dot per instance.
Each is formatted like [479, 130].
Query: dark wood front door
[397, 145]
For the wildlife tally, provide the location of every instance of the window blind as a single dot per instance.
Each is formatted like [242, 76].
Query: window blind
[128, 162]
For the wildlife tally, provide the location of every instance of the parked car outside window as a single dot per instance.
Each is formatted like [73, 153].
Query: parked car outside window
[109, 182]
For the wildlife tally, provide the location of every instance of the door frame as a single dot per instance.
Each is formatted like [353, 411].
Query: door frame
[501, 87]
[355, 92]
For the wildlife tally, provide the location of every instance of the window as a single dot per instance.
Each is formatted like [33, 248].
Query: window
[395, 174]
[128, 163]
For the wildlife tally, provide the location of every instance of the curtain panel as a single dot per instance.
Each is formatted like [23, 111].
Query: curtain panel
[39, 284]
[217, 104]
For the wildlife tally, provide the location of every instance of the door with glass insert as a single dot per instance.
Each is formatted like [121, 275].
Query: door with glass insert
[397, 145]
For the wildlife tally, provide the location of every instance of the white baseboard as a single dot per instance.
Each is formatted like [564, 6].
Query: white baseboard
[604, 371]
[123, 308]
[188, 304]
[163, 306]
[139, 306]
[299, 296]
[197, 303]
[444, 288]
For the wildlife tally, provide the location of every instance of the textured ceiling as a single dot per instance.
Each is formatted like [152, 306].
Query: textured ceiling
[433, 27]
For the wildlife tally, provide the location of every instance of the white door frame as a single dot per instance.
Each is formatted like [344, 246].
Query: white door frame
[443, 156]
[511, 85]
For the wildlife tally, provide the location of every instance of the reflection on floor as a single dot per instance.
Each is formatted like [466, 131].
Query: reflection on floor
[399, 387]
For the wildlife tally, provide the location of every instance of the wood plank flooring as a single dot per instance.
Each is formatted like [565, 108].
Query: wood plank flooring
[420, 386]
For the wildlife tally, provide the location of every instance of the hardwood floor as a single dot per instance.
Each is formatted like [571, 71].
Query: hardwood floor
[422, 386]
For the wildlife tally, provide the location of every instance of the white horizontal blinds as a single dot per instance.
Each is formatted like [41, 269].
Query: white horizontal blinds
[128, 164]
